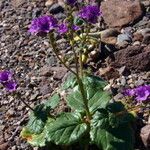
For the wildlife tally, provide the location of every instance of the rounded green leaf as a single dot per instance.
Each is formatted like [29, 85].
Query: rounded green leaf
[96, 96]
[120, 138]
[67, 129]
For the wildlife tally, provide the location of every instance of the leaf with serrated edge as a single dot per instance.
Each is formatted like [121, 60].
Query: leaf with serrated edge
[69, 83]
[75, 101]
[97, 97]
[107, 137]
[67, 129]
[114, 138]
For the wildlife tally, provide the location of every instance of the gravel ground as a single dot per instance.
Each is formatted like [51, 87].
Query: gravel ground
[36, 69]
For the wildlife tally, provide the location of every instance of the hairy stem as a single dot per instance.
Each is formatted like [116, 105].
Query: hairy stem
[57, 55]
[85, 101]
[26, 104]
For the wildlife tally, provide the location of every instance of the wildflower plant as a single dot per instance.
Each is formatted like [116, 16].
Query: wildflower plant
[93, 120]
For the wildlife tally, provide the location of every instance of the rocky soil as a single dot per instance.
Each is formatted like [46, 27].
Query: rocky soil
[123, 57]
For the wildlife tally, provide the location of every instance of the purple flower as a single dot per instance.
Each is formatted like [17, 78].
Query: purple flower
[90, 13]
[75, 27]
[71, 2]
[129, 92]
[6, 79]
[62, 28]
[43, 25]
[5, 76]
[10, 86]
[142, 93]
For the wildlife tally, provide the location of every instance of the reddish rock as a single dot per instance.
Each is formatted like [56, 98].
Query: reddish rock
[145, 136]
[138, 37]
[59, 72]
[4, 146]
[109, 73]
[118, 13]
[46, 71]
[136, 58]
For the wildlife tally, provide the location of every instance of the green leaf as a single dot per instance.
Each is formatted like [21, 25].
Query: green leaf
[33, 139]
[67, 129]
[115, 107]
[37, 119]
[94, 81]
[71, 82]
[78, 21]
[118, 114]
[99, 100]
[112, 131]
[75, 100]
[97, 97]
[120, 138]
[38, 140]
[100, 119]
[53, 101]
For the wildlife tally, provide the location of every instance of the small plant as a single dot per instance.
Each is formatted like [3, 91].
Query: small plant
[93, 120]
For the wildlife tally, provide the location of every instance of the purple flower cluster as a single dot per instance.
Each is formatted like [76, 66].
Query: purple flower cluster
[63, 28]
[140, 93]
[7, 80]
[43, 25]
[90, 13]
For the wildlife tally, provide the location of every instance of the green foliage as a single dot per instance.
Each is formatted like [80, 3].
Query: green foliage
[120, 138]
[112, 131]
[71, 82]
[97, 97]
[109, 126]
[53, 101]
[37, 119]
[78, 21]
[67, 129]
[38, 140]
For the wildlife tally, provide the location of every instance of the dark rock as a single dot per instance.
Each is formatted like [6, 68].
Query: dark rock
[118, 13]
[106, 50]
[36, 12]
[56, 8]
[135, 58]
[146, 39]
[124, 71]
